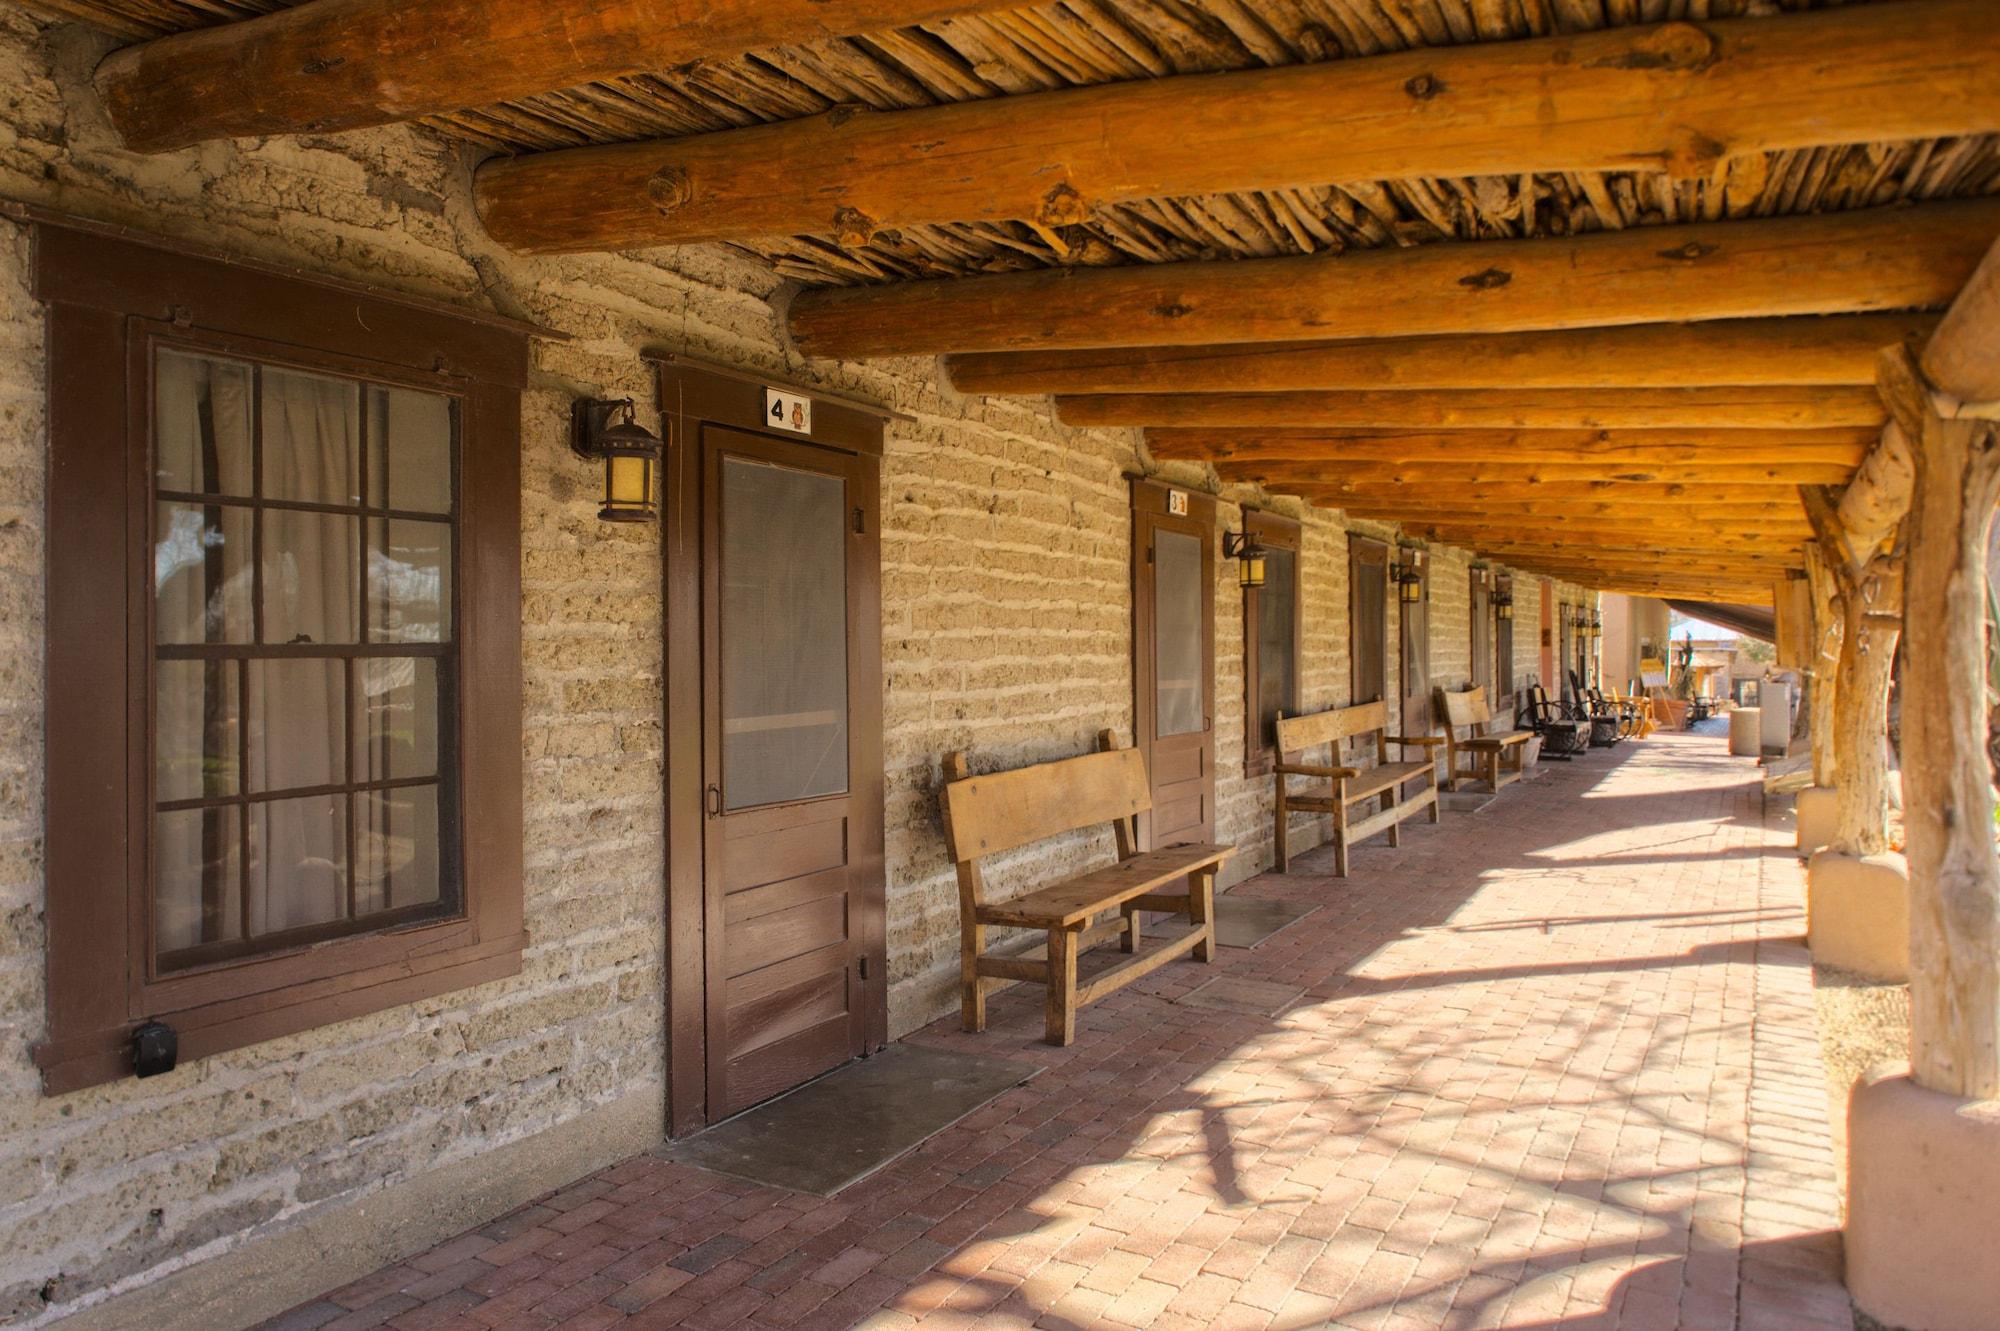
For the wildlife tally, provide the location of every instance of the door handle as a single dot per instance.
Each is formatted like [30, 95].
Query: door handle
[713, 798]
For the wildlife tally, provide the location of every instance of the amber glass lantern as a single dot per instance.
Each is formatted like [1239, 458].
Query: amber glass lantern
[608, 431]
[1242, 547]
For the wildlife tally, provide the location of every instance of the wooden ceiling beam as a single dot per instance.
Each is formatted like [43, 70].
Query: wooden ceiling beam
[1491, 409]
[1786, 517]
[1832, 263]
[1679, 96]
[348, 64]
[1420, 476]
[1527, 447]
[1838, 349]
[1453, 493]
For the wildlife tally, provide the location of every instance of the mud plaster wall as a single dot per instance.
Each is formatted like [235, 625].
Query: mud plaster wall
[1006, 631]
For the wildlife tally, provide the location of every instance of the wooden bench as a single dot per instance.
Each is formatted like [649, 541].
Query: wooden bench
[1351, 785]
[1492, 755]
[990, 815]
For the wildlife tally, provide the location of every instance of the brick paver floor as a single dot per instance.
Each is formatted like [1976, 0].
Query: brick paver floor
[1554, 1066]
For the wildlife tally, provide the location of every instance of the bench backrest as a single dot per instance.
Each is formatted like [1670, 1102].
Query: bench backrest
[1468, 710]
[991, 814]
[1299, 733]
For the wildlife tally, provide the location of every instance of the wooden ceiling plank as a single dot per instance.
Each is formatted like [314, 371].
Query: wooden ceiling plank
[1556, 496]
[1418, 476]
[349, 64]
[1759, 408]
[1528, 447]
[1838, 263]
[1835, 350]
[1682, 96]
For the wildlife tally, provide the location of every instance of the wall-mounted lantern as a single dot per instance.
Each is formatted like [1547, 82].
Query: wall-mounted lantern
[1408, 572]
[630, 454]
[1503, 600]
[1594, 626]
[1242, 547]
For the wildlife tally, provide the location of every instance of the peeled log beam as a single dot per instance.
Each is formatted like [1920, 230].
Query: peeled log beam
[348, 64]
[1679, 96]
[1635, 550]
[1875, 500]
[1588, 447]
[1491, 409]
[1721, 352]
[1446, 489]
[1963, 357]
[1566, 475]
[1746, 517]
[1835, 263]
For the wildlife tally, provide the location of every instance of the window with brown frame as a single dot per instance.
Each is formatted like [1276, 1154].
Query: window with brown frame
[1273, 628]
[295, 504]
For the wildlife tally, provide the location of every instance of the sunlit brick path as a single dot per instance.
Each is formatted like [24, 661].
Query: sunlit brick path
[1554, 1066]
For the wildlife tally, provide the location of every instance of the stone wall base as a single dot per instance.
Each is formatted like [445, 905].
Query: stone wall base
[341, 1244]
[1817, 814]
[1923, 1205]
[1858, 913]
[1746, 735]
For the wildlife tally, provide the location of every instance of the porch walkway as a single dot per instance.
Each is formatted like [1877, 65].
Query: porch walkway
[1554, 1066]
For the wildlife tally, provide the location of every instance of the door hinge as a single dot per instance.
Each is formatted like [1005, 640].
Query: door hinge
[860, 523]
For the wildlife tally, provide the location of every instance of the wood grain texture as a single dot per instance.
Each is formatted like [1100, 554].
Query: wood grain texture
[1420, 476]
[1963, 358]
[1838, 349]
[350, 64]
[1874, 259]
[1846, 447]
[1490, 409]
[1682, 97]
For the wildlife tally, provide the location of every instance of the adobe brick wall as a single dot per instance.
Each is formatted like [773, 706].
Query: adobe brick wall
[1006, 630]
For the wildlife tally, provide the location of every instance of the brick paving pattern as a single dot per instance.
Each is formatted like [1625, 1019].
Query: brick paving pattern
[1555, 1066]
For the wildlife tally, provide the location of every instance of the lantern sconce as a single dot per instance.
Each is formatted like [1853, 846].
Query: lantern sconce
[1594, 626]
[1503, 600]
[1408, 573]
[1242, 547]
[630, 454]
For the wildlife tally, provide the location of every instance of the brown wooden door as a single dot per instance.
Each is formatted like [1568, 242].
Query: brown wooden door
[789, 697]
[1173, 660]
[1367, 619]
[1415, 654]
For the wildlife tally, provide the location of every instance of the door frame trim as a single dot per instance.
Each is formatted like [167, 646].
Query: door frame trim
[691, 396]
[1149, 498]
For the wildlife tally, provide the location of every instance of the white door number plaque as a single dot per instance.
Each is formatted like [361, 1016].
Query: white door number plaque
[788, 411]
[1177, 503]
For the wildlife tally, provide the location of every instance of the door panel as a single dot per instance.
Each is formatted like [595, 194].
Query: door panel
[786, 999]
[1415, 619]
[1367, 619]
[1173, 660]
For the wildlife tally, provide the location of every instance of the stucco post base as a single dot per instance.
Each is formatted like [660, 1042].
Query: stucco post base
[1746, 735]
[1858, 913]
[1817, 814]
[1923, 1204]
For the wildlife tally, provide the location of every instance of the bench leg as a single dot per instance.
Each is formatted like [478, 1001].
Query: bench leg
[1201, 911]
[1493, 769]
[1435, 812]
[1280, 839]
[1134, 927]
[1062, 987]
[1395, 828]
[972, 1007]
[1339, 837]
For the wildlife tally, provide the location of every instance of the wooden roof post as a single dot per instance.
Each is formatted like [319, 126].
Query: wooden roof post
[1823, 662]
[1948, 776]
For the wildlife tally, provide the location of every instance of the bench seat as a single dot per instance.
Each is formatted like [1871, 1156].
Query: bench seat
[1501, 741]
[1475, 751]
[1074, 900]
[990, 815]
[1347, 786]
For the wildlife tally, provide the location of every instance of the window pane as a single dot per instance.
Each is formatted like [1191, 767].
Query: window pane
[312, 577]
[409, 580]
[1277, 648]
[312, 431]
[201, 574]
[398, 710]
[1177, 633]
[396, 843]
[201, 413]
[298, 724]
[298, 862]
[409, 450]
[784, 634]
[196, 716]
[197, 879]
